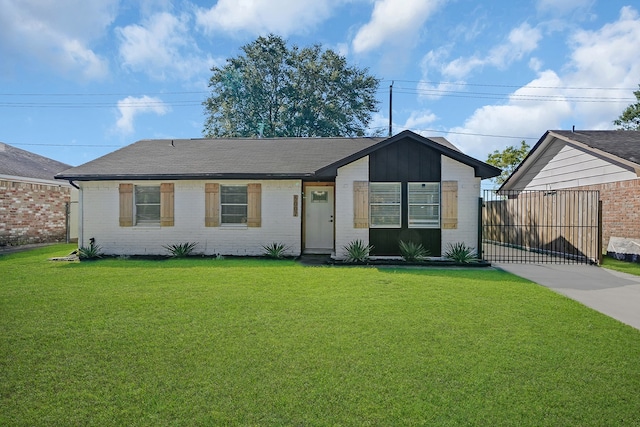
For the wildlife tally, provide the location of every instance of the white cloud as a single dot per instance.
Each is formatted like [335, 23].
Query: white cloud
[132, 106]
[521, 41]
[564, 6]
[604, 58]
[419, 119]
[162, 47]
[283, 17]
[394, 21]
[57, 34]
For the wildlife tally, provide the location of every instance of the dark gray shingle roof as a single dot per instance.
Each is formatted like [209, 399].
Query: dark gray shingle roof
[247, 158]
[621, 143]
[17, 162]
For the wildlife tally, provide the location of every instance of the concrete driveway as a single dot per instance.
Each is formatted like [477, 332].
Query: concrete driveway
[610, 292]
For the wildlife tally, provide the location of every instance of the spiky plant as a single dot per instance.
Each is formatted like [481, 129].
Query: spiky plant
[460, 252]
[413, 252]
[275, 250]
[181, 250]
[357, 251]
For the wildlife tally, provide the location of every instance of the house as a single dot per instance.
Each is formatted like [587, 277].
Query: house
[603, 160]
[34, 208]
[315, 195]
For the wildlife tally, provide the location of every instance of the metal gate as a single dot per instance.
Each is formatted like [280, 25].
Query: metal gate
[559, 226]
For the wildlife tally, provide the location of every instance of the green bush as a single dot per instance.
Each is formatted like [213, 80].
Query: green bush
[92, 251]
[181, 250]
[460, 252]
[275, 250]
[412, 252]
[357, 251]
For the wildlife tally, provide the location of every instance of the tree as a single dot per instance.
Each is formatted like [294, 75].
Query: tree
[630, 117]
[271, 90]
[508, 160]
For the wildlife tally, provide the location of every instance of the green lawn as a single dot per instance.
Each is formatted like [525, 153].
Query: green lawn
[255, 342]
[623, 266]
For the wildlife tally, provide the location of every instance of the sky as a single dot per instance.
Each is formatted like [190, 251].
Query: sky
[79, 79]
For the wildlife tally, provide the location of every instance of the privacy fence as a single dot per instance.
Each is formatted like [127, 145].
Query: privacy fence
[561, 226]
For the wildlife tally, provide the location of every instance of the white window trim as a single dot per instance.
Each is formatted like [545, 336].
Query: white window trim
[149, 223]
[372, 223]
[435, 223]
[246, 205]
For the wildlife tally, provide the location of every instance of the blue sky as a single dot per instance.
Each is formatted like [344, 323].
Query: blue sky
[79, 79]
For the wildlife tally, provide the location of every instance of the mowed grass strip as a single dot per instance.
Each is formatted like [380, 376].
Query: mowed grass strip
[256, 342]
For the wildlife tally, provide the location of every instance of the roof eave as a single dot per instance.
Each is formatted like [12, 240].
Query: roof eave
[181, 177]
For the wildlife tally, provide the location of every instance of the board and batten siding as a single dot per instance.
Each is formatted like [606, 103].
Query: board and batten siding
[278, 223]
[345, 224]
[467, 205]
[563, 166]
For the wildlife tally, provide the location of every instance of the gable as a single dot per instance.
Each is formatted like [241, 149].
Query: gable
[406, 160]
[558, 162]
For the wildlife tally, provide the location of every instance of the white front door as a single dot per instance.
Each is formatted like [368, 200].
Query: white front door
[318, 203]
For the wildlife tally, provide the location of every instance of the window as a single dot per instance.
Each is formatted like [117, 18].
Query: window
[424, 205]
[384, 204]
[233, 204]
[147, 205]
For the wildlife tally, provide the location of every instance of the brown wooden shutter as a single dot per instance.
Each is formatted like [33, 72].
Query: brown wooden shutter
[166, 204]
[211, 205]
[254, 205]
[449, 204]
[360, 204]
[126, 205]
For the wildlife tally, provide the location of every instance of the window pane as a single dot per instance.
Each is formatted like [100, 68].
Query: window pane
[384, 204]
[233, 204]
[424, 205]
[147, 199]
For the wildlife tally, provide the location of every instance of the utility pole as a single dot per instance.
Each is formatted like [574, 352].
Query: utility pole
[391, 109]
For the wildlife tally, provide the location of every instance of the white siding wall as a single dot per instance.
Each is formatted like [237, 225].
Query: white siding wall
[345, 232]
[564, 166]
[468, 200]
[101, 213]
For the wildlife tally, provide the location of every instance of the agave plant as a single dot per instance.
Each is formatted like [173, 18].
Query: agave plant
[460, 252]
[89, 252]
[412, 252]
[275, 250]
[181, 250]
[357, 251]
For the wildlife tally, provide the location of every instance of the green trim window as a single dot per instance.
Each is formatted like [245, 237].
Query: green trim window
[385, 199]
[233, 204]
[147, 204]
[424, 204]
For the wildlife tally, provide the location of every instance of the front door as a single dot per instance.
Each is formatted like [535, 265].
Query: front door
[318, 204]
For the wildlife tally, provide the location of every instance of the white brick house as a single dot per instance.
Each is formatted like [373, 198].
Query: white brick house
[315, 195]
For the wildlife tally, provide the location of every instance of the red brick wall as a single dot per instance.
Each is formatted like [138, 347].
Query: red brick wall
[32, 213]
[620, 209]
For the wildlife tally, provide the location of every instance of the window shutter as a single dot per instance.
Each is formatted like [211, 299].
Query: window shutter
[254, 205]
[212, 205]
[360, 204]
[166, 204]
[126, 205]
[449, 204]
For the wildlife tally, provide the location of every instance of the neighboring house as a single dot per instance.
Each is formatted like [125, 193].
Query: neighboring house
[603, 160]
[34, 208]
[315, 195]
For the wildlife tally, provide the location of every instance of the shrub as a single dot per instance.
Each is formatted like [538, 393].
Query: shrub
[181, 250]
[275, 250]
[357, 251]
[460, 252]
[412, 252]
[90, 252]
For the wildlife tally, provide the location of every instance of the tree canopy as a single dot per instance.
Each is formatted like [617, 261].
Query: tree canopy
[508, 159]
[630, 117]
[272, 90]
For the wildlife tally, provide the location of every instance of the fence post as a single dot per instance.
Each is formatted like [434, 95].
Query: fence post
[599, 230]
[480, 208]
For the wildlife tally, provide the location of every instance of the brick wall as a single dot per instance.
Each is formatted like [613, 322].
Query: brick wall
[620, 209]
[32, 213]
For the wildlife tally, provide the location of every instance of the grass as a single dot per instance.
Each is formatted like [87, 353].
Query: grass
[623, 266]
[265, 342]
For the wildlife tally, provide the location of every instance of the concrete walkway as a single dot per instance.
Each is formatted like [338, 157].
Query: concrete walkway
[610, 292]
